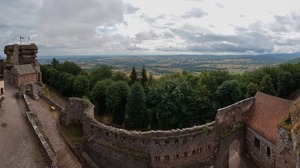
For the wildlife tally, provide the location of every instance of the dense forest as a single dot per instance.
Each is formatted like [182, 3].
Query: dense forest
[178, 100]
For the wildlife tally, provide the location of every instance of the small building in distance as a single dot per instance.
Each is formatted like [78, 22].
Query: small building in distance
[23, 70]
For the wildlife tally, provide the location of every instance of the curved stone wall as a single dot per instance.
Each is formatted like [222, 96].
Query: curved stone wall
[178, 148]
[197, 146]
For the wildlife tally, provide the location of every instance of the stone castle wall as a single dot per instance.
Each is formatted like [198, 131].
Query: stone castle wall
[282, 154]
[259, 152]
[286, 155]
[26, 79]
[233, 115]
[73, 112]
[198, 146]
[32, 119]
[174, 148]
[230, 127]
[50, 101]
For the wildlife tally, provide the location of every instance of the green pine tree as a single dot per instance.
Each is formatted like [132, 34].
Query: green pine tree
[136, 113]
[132, 76]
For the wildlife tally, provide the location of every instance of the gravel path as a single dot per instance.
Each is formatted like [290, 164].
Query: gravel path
[54, 95]
[18, 146]
[48, 120]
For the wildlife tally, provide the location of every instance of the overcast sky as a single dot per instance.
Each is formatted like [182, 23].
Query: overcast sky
[61, 27]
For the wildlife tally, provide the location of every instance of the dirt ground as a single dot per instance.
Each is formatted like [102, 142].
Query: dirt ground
[18, 146]
[237, 160]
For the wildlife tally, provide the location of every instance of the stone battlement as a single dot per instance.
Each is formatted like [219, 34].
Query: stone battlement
[193, 146]
[198, 146]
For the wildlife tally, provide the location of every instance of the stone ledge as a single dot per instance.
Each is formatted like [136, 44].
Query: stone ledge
[50, 154]
[50, 101]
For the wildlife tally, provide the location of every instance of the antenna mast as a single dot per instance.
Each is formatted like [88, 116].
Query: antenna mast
[21, 38]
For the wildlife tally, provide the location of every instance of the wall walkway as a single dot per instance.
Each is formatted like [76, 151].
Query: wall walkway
[65, 156]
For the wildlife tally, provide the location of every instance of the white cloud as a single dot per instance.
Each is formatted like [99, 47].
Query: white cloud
[169, 26]
[194, 13]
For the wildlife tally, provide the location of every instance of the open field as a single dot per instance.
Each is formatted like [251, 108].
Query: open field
[165, 64]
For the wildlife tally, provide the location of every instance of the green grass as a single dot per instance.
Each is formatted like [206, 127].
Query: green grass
[73, 133]
[85, 100]
[285, 124]
[73, 130]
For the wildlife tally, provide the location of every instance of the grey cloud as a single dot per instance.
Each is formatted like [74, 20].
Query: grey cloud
[172, 48]
[18, 17]
[149, 35]
[281, 24]
[209, 42]
[220, 5]
[153, 35]
[130, 9]
[134, 47]
[193, 29]
[279, 31]
[147, 18]
[282, 19]
[287, 23]
[240, 29]
[169, 49]
[151, 20]
[77, 26]
[104, 30]
[170, 24]
[103, 12]
[194, 13]
[229, 47]
[112, 44]
[289, 42]
[74, 24]
[68, 24]
[195, 0]
[4, 26]
[256, 26]
[168, 34]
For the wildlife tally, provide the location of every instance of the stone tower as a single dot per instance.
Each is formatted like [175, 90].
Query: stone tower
[21, 54]
[23, 69]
